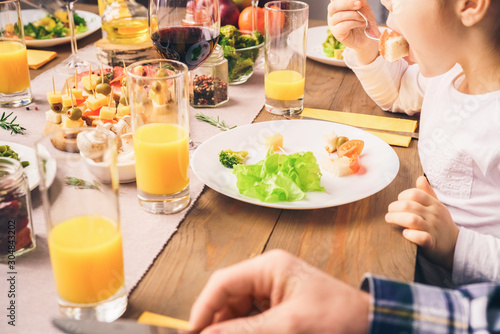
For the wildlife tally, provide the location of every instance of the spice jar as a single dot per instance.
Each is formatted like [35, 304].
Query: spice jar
[16, 228]
[209, 81]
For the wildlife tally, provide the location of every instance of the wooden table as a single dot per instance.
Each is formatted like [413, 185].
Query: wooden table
[344, 241]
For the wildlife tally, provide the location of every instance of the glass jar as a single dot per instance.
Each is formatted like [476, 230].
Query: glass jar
[16, 227]
[125, 22]
[209, 81]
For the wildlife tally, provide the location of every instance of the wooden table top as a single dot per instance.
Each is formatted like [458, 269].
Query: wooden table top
[345, 241]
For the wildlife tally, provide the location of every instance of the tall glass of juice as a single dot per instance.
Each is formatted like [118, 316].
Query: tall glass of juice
[79, 188]
[15, 88]
[159, 102]
[285, 56]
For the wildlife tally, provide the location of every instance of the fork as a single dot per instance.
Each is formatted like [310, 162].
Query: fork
[370, 31]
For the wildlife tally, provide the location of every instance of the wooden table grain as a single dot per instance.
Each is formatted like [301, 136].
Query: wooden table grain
[345, 241]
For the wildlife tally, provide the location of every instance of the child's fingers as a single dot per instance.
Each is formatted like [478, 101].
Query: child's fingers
[405, 219]
[343, 5]
[421, 238]
[347, 27]
[346, 16]
[416, 195]
[424, 185]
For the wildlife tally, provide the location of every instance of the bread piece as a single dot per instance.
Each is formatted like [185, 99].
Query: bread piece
[393, 46]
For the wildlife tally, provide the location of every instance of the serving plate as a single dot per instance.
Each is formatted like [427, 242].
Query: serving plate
[32, 15]
[379, 163]
[315, 38]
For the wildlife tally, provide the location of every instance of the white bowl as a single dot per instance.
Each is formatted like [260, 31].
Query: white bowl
[126, 171]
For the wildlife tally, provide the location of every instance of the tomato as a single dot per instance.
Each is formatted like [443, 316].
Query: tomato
[90, 112]
[350, 148]
[245, 19]
[354, 163]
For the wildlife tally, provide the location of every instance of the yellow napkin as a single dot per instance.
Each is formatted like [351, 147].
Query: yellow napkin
[38, 58]
[369, 121]
[155, 319]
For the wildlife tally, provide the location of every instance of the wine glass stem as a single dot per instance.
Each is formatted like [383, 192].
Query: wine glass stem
[255, 3]
[71, 10]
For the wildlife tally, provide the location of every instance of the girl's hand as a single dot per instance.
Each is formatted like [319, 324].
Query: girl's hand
[348, 27]
[290, 295]
[428, 222]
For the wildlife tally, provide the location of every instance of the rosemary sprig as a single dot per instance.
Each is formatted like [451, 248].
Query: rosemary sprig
[13, 127]
[81, 184]
[214, 121]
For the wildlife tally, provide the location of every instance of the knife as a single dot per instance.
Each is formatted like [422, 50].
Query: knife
[401, 133]
[73, 326]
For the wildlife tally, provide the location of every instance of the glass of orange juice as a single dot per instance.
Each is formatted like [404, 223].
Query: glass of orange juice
[15, 88]
[285, 56]
[83, 221]
[159, 103]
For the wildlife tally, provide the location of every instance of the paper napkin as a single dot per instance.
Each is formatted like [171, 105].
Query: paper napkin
[38, 58]
[369, 121]
[155, 319]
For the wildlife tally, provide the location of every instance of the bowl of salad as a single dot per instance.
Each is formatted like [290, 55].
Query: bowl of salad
[45, 30]
[242, 50]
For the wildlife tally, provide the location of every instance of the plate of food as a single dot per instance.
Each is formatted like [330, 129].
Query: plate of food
[28, 154]
[303, 140]
[317, 39]
[41, 30]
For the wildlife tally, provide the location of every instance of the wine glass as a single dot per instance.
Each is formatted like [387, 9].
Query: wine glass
[73, 63]
[185, 30]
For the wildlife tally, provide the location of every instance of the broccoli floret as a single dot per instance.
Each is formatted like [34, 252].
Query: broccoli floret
[257, 35]
[79, 20]
[245, 41]
[230, 158]
[229, 32]
[242, 66]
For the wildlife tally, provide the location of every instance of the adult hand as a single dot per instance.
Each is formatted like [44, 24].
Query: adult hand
[348, 27]
[296, 298]
[427, 221]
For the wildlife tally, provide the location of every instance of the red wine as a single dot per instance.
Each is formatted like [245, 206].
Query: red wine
[190, 45]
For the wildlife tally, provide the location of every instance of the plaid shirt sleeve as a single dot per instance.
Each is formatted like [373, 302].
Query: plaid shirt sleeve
[415, 308]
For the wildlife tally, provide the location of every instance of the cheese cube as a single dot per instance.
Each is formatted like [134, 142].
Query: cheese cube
[68, 101]
[107, 113]
[89, 83]
[54, 97]
[69, 123]
[53, 117]
[275, 142]
[96, 102]
[123, 110]
[160, 98]
[77, 93]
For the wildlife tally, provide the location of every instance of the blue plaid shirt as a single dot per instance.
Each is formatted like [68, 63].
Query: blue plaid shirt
[415, 308]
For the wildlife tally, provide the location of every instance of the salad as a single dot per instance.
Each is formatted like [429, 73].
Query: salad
[54, 26]
[332, 47]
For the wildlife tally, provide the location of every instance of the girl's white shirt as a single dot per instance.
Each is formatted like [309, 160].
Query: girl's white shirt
[459, 148]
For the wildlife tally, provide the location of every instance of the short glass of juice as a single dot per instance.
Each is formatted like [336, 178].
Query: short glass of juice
[285, 56]
[83, 221]
[15, 88]
[159, 102]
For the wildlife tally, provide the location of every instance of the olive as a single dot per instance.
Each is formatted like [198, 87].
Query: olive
[3, 148]
[340, 141]
[25, 163]
[156, 86]
[103, 89]
[88, 91]
[56, 107]
[139, 70]
[75, 113]
[123, 100]
[162, 73]
[103, 79]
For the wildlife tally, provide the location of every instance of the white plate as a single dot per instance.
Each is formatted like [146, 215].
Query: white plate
[379, 162]
[32, 15]
[315, 38]
[27, 153]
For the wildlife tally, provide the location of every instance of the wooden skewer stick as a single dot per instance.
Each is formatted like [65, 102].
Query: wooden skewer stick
[71, 97]
[76, 78]
[102, 74]
[53, 85]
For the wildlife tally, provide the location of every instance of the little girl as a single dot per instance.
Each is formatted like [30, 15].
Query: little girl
[452, 75]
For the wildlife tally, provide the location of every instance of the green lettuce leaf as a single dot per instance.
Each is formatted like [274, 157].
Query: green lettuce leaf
[279, 177]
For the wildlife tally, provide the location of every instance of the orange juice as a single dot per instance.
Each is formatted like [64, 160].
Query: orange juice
[284, 85]
[87, 260]
[14, 71]
[161, 158]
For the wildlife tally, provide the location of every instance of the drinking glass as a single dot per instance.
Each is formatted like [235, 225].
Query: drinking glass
[159, 102]
[74, 62]
[15, 88]
[285, 56]
[83, 221]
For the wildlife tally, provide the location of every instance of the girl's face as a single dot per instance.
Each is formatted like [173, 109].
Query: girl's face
[429, 29]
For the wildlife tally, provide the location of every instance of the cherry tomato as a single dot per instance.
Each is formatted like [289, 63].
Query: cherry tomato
[350, 148]
[354, 163]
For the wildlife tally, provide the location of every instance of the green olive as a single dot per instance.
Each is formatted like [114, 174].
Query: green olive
[123, 100]
[162, 73]
[56, 107]
[75, 113]
[139, 70]
[156, 86]
[88, 91]
[340, 141]
[3, 148]
[103, 79]
[103, 89]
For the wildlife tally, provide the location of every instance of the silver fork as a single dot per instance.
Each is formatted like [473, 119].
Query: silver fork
[370, 31]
